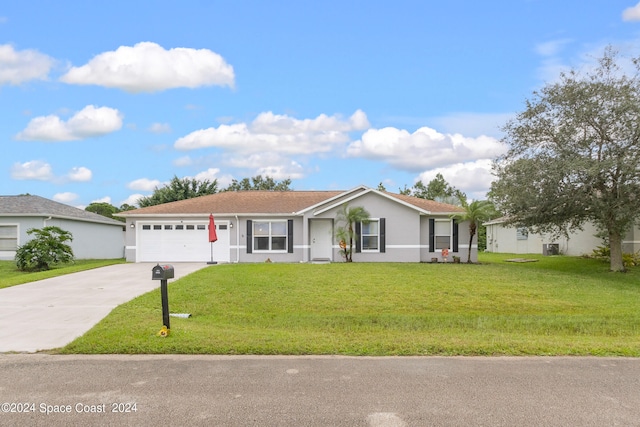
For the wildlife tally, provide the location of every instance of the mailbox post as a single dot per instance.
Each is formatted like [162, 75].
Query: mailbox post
[163, 273]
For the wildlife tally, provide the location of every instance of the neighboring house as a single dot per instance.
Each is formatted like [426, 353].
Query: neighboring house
[94, 236]
[518, 240]
[293, 226]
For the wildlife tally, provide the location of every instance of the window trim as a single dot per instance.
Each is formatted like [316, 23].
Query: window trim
[16, 238]
[362, 235]
[436, 235]
[270, 236]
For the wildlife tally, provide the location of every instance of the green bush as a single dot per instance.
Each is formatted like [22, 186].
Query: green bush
[47, 248]
[628, 259]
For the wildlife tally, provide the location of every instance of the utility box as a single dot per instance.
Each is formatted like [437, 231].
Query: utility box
[162, 272]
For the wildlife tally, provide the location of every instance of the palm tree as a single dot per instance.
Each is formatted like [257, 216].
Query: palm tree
[474, 212]
[345, 231]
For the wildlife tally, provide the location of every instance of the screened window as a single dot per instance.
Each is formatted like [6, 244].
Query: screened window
[370, 236]
[270, 236]
[8, 237]
[442, 233]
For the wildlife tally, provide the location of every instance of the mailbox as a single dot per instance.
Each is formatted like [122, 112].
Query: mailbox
[162, 272]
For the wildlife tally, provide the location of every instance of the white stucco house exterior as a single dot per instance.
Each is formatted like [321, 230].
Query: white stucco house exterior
[502, 238]
[294, 226]
[94, 236]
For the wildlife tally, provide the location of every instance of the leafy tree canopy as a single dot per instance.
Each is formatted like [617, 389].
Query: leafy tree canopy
[179, 189]
[574, 155]
[437, 189]
[259, 183]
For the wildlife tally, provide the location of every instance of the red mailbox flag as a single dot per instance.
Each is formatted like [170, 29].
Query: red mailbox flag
[212, 230]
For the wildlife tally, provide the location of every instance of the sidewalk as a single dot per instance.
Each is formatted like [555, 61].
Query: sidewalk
[53, 312]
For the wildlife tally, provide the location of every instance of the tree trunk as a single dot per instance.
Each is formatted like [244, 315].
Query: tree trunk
[470, 243]
[615, 248]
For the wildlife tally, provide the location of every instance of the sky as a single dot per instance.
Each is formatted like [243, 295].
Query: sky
[105, 101]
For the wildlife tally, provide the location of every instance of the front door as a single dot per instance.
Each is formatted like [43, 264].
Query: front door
[321, 239]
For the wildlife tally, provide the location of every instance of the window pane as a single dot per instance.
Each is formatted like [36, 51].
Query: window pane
[261, 243]
[157, 227]
[370, 243]
[260, 228]
[201, 227]
[179, 227]
[278, 243]
[168, 227]
[191, 227]
[146, 227]
[9, 231]
[279, 228]
[8, 244]
[443, 228]
[370, 228]
[442, 242]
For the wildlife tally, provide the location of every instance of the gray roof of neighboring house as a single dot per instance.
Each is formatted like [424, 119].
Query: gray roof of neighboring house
[30, 206]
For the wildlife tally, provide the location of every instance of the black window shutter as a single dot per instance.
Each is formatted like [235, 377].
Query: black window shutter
[432, 240]
[290, 236]
[383, 238]
[455, 236]
[357, 237]
[249, 236]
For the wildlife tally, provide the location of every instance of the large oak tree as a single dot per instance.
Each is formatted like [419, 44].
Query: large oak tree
[575, 155]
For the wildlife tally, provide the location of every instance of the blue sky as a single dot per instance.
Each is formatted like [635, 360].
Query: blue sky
[104, 101]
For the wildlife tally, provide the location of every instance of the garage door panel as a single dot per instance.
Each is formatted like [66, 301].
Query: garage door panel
[178, 242]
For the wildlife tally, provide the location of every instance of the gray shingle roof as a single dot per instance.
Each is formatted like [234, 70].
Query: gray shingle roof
[39, 206]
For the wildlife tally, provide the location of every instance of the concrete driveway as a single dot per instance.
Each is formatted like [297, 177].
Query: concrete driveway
[53, 312]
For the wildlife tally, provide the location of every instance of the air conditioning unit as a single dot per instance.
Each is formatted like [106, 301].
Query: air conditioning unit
[550, 249]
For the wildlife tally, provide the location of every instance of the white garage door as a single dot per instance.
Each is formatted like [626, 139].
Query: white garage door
[170, 241]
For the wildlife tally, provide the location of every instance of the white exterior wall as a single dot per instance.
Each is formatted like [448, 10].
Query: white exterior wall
[502, 239]
[90, 240]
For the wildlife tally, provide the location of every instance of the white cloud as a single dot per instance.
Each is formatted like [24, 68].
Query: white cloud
[210, 174]
[278, 133]
[17, 67]
[89, 122]
[474, 178]
[105, 199]
[472, 124]
[32, 170]
[132, 200]
[160, 128]
[65, 197]
[148, 67]
[144, 184]
[423, 149]
[631, 14]
[292, 170]
[80, 174]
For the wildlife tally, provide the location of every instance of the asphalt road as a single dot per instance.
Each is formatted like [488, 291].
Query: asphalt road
[46, 390]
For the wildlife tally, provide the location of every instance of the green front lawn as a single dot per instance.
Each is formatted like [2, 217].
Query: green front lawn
[557, 306]
[11, 276]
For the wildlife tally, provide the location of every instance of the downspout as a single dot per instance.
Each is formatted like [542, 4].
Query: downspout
[44, 223]
[237, 240]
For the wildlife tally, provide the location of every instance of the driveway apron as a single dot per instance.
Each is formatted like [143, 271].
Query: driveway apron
[51, 313]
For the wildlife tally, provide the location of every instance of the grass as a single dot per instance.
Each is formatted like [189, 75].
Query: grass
[11, 276]
[556, 306]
